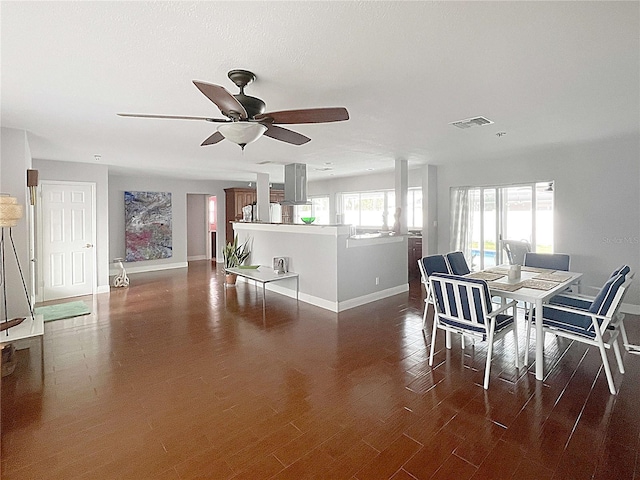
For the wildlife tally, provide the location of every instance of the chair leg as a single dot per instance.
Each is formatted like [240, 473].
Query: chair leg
[515, 336]
[623, 332]
[487, 368]
[616, 350]
[433, 341]
[605, 362]
[528, 322]
[427, 296]
[424, 315]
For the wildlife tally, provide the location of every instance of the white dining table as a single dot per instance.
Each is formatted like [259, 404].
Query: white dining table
[535, 286]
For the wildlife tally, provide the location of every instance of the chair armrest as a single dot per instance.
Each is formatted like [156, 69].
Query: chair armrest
[577, 296]
[504, 307]
[589, 289]
[577, 311]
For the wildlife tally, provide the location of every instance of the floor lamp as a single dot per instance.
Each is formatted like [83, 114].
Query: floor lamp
[10, 213]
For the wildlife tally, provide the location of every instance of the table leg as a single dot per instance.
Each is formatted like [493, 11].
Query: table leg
[263, 300]
[539, 342]
[42, 357]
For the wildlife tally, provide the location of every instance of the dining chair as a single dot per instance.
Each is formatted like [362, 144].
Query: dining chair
[516, 250]
[429, 265]
[583, 301]
[463, 306]
[552, 261]
[457, 263]
[597, 322]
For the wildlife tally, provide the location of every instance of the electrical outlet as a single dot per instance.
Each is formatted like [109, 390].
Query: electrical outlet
[377, 280]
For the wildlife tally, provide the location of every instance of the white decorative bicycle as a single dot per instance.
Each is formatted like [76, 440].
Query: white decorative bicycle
[120, 280]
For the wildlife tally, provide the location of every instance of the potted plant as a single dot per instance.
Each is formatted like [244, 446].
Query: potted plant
[234, 256]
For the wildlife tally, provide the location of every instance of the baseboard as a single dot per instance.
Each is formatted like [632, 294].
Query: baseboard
[195, 258]
[335, 307]
[103, 289]
[372, 297]
[148, 268]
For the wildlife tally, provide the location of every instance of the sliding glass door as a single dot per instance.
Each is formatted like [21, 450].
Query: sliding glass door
[510, 212]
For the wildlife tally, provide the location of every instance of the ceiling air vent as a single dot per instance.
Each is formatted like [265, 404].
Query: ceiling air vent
[471, 122]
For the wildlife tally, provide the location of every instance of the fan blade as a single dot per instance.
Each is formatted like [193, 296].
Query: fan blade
[213, 139]
[285, 135]
[226, 102]
[308, 115]
[175, 117]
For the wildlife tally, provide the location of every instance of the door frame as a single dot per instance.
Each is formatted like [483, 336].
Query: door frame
[39, 234]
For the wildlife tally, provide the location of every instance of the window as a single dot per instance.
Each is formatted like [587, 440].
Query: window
[374, 209]
[481, 216]
[319, 208]
[414, 213]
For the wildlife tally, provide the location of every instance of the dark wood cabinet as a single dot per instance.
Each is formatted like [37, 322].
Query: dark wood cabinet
[415, 254]
[236, 198]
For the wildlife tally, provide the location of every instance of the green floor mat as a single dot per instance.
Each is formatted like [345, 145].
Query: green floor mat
[63, 310]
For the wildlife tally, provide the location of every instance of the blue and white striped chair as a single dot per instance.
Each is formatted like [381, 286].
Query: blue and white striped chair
[428, 266]
[595, 321]
[457, 263]
[463, 305]
[552, 261]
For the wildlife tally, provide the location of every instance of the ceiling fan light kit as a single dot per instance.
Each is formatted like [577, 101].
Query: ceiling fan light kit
[246, 117]
[242, 133]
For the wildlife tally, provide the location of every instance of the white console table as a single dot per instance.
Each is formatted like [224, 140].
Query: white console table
[265, 275]
[30, 328]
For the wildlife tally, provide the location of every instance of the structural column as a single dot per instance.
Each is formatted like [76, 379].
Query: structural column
[429, 210]
[401, 189]
[263, 195]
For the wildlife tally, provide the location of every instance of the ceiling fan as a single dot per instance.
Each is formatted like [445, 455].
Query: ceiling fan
[246, 118]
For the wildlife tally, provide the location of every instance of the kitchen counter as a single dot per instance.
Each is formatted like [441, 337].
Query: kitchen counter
[337, 271]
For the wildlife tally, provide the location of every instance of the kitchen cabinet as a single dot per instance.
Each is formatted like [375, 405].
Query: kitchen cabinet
[236, 198]
[415, 254]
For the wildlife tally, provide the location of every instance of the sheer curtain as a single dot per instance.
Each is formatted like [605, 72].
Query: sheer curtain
[461, 221]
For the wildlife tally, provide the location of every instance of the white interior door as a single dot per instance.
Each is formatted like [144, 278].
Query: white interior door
[67, 232]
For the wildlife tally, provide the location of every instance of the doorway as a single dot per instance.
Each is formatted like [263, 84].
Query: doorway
[66, 240]
[201, 227]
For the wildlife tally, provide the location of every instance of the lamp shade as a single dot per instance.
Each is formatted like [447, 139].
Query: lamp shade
[242, 132]
[10, 211]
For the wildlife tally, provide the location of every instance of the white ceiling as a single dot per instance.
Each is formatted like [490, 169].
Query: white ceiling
[547, 73]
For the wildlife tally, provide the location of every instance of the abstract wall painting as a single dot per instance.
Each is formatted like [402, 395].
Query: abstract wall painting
[147, 229]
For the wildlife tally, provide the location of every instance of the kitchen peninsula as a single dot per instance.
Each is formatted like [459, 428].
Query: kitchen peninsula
[337, 271]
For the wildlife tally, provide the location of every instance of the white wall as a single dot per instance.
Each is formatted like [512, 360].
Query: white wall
[597, 201]
[15, 160]
[94, 173]
[179, 189]
[360, 266]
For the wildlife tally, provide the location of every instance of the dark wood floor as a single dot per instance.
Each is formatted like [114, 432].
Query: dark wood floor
[174, 378]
